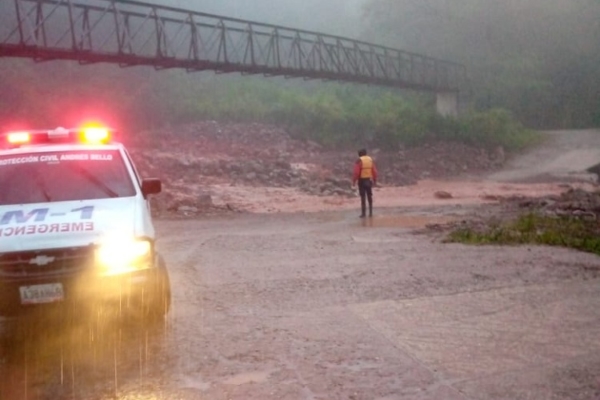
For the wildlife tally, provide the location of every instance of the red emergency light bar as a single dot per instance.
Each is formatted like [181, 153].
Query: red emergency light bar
[85, 135]
[94, 134]
[17, 138]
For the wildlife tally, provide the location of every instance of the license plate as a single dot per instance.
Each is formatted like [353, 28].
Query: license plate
[39, 294]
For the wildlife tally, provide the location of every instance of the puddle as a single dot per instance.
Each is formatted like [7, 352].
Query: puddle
[404, 221]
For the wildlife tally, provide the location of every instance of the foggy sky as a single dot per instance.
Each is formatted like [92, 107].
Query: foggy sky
[336, 17]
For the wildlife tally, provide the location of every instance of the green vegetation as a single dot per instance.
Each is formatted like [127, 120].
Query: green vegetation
[539, 59]
[333, 114]
[339, 115]
[533, 228]
[535, 61]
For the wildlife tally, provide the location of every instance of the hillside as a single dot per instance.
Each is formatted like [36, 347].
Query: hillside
[211, 167]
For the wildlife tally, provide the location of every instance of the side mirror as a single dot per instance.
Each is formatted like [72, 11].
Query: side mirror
[151, 186]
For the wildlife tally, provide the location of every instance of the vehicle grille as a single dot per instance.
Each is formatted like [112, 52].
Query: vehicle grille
[44, 263]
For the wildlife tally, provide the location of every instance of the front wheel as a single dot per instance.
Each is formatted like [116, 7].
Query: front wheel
[157, 303]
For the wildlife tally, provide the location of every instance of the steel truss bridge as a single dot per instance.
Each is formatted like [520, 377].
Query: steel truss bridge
[132, 33]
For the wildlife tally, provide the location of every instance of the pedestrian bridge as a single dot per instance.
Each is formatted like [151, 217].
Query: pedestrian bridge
[131, 33]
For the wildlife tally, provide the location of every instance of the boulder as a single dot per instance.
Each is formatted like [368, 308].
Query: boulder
[442, 195]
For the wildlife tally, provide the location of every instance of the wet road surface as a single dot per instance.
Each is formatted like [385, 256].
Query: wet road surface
[325, 306]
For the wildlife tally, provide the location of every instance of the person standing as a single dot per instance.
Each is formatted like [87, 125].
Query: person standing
[365, 173]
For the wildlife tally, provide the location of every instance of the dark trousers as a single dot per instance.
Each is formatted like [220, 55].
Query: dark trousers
[365, 189]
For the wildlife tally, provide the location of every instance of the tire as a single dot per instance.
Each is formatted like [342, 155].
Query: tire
[159, 303]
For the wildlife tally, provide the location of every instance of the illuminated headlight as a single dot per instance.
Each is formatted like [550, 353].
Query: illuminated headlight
[124, 256]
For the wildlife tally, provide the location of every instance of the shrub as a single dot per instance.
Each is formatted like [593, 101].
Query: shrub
[533, 228]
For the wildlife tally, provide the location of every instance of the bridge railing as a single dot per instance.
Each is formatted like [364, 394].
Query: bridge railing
[135, 33]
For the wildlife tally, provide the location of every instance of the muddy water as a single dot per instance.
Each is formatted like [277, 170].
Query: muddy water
[303, 306]
[463, 192]
[328, 306]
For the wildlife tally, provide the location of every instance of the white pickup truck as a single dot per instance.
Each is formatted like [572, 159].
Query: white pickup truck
[75, 224]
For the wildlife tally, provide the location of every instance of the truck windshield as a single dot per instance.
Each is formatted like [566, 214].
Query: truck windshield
[63, 176]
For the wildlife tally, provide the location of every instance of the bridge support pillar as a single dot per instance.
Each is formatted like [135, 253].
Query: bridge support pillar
[447, 104]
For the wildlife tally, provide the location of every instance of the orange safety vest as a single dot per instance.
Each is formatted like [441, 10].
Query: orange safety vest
[366, 171]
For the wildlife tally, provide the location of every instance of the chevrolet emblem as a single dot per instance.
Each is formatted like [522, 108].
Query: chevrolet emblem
[41, 260]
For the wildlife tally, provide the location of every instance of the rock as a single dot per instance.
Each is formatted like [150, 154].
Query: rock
[205, 200]
[442, 195]
[281, 164]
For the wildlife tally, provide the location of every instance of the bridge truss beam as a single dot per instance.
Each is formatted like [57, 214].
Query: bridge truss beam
[131, 33]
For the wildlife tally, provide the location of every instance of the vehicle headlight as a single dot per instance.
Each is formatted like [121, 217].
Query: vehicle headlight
[123, 256]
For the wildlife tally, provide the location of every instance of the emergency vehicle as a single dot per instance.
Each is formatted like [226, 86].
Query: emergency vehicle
[75, 224]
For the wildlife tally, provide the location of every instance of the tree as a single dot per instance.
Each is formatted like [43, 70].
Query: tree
[537, 58]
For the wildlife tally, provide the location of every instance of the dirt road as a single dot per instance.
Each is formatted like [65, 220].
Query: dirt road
[326, 306]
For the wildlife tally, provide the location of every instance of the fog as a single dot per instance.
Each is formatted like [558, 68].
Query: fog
[539, 59]
[336, 17]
